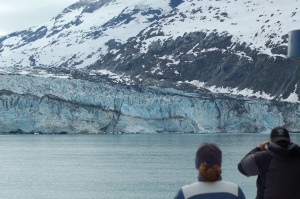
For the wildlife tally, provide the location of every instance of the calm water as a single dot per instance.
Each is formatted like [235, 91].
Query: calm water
[112, 166]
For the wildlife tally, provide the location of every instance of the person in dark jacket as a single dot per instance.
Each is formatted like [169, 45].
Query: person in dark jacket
[277, 165]
[210, 184]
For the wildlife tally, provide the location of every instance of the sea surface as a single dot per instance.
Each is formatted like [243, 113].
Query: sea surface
[132, 166]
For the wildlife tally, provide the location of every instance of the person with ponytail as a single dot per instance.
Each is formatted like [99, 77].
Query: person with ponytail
[210, 184]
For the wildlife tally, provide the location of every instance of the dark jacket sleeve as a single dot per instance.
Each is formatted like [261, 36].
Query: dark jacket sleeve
[256, 162]
[241, 194]
[179, 195]
[247, 165]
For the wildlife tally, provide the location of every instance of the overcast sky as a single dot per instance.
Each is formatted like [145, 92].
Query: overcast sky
[18, 15]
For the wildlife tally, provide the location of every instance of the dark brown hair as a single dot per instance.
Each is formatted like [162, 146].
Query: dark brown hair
[210, 174]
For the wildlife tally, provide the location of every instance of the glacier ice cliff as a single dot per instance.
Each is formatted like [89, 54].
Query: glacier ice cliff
[35, 104]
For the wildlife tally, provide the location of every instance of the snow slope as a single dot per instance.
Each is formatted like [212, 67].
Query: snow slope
[77, 37]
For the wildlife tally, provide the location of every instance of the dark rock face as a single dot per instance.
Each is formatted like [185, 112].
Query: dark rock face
[113, 44]
[93, 6]
[33, 36]
[175, 3]
[210, 58]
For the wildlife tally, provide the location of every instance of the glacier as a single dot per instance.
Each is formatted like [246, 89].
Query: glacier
[31, 103]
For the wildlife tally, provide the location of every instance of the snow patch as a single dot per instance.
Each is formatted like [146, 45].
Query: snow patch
[233, 91]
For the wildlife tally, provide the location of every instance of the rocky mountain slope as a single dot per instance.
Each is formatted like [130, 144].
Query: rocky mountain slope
[234, 48]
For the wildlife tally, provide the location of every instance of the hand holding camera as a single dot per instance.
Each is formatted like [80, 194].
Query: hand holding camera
[262, 145]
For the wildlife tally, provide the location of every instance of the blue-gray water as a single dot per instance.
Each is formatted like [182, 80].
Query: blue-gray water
[113, 166]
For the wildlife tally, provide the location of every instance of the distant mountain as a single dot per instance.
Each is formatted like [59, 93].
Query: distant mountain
[234, 47]
[230, 44]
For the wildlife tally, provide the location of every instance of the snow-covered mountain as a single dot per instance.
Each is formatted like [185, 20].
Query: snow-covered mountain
[80, 34]
[204, 47]
[211, 43]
